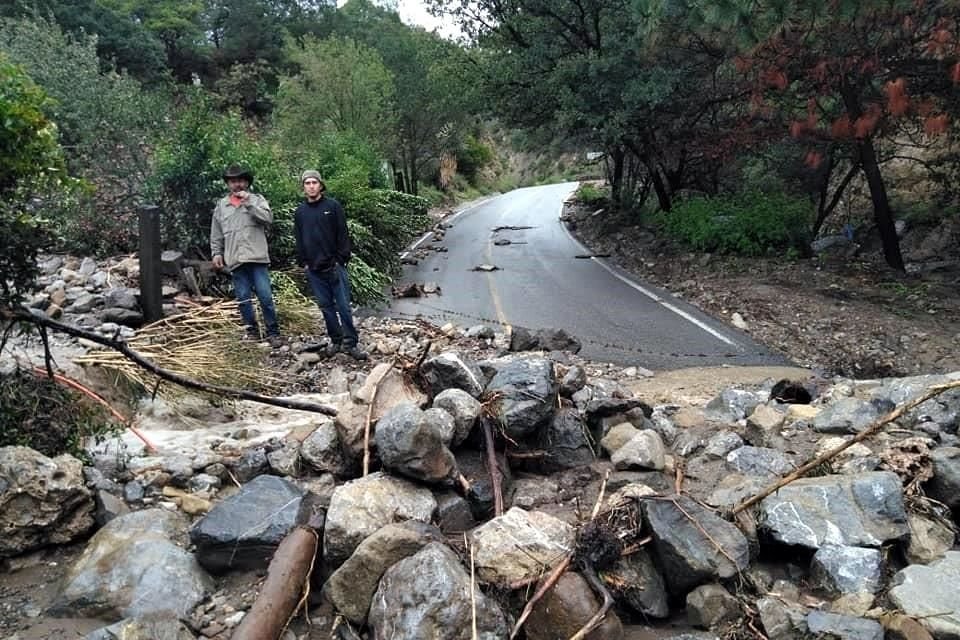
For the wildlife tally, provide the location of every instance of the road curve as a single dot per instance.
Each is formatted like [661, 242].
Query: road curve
[541, 282]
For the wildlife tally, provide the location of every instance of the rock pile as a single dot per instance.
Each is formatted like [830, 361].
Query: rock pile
[416, 548]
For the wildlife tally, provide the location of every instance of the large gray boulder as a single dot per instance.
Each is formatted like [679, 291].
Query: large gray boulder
[944, 409]
[518, 545]
[566, 443]
[413, 443]
[243, 531]
[465, 410]
[732, 405]
[862, 510]
[945, 484]
[321, 450]
[929, 593]
[430, 595]
[132, 567]
[386, 387]
[451, 370]
[692, 544]
[42, 500]
[360, 507]
[849, 415]
[525, 391]
[639, 585]
[644, 450]
[351, 587]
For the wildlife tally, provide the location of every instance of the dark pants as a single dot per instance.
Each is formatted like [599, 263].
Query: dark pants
[252, 278]
[332, 290]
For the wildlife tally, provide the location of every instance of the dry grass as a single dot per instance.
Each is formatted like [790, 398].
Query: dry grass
[204, 343]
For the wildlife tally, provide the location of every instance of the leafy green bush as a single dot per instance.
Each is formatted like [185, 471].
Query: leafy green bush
[473, 156]
[105, 122]
[592, 196]
[751, 224]
[31, 165]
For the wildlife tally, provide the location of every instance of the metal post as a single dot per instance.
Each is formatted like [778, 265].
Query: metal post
[151, 299]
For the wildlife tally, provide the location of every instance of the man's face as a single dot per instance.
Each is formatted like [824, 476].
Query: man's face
[237, 184]
[311, 187]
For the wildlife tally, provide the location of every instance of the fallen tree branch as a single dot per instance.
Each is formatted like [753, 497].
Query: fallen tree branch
[871, 429]
[590, 574]
[284, 590]
[540, 592]
[493, 467]
[160, 372]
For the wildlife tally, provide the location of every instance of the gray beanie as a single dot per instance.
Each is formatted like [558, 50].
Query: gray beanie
[311, 173]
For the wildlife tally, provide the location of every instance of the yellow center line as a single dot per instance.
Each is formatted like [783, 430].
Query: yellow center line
[494, 296]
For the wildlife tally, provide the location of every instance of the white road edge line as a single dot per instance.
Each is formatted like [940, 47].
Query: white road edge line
[428, 234]
[638, 287]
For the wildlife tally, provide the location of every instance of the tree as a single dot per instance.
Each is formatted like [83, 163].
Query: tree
[342, 86]
[850, 77]
[121, 42]
[587, 71]
[30, 165]
[105, 122]
[434, 87]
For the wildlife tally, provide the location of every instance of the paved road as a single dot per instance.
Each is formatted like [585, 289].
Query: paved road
[540, 282]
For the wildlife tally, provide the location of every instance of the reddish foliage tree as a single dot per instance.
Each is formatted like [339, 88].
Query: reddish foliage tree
[853, 75]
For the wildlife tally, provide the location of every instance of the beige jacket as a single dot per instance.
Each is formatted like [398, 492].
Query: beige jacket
[239, 234]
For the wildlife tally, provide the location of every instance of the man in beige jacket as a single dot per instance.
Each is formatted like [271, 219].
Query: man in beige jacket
[238, 243]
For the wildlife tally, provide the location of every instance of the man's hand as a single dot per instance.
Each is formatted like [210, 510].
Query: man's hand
[218, 262]
[243, 195]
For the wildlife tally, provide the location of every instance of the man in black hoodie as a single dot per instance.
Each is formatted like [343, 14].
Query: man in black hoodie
[323, 248]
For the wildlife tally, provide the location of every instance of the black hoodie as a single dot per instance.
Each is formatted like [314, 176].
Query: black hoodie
[321, 231]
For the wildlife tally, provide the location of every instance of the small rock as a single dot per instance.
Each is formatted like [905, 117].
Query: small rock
[618, 436]
[644, 451]
[930, 539]
[710, 605]
[721, 444]
[639, 585]
[321, 450]
[843, 627]
[945, 484]
[759, 461]
[285, 460]
[464, 408]
[573, 380]
[519, 545]
[844, 570]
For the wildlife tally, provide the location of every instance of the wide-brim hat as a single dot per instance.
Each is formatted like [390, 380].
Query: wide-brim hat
[236, 171]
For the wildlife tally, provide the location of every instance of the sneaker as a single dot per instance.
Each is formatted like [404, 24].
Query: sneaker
[356, 353]
[332, 349]
[275, 341]
[251, 335]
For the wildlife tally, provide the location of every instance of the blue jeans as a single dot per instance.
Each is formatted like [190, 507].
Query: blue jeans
[332, 291]
[253, 278]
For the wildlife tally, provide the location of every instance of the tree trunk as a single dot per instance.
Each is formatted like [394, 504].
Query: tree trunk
[878, 191]
[881, 205]
[616, 176]
[659, 187]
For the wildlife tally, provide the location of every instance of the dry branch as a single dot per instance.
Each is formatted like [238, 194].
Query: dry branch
[871, 429]
[284, 590]
[493, 467]
[160, 372]
[590, 575]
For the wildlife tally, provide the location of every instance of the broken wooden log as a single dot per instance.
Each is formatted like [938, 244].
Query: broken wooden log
[285, 589]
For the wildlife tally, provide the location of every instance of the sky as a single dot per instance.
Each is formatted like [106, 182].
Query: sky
[415, 12]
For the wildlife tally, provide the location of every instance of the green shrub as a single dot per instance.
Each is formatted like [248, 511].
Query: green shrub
[750, 224]
[31, 166]
[472, 156]
[592, 196]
